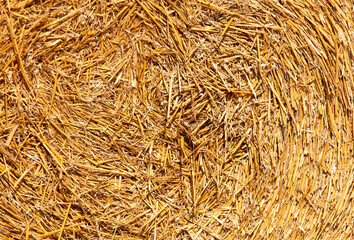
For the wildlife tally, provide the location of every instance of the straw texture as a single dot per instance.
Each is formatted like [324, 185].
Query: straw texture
[176, 119]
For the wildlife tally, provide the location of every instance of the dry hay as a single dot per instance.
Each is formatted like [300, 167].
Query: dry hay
[176, 119]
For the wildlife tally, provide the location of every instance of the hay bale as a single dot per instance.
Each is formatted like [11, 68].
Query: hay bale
[176, 119]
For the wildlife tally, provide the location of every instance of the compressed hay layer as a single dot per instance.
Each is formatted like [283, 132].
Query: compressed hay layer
[176, 119]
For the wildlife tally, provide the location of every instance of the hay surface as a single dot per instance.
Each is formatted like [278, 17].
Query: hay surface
[176, 119]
